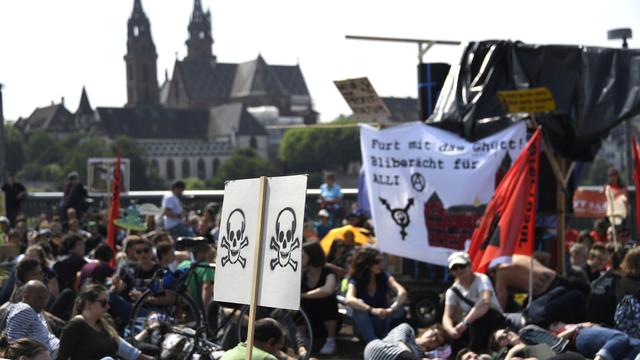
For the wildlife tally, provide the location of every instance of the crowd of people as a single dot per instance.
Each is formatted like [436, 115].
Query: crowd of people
[70, 295]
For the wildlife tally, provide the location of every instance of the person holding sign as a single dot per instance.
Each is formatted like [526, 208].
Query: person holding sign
[369, 286]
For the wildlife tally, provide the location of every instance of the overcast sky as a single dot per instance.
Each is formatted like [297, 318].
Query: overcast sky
[50, 48]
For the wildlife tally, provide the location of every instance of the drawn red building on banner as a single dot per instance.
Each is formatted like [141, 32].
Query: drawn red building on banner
[450, 228]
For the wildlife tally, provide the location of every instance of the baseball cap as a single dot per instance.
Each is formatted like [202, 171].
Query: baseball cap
[323, 213]
[4, 220]
[459, 258]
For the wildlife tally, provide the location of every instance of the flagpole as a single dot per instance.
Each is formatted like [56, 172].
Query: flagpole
[531, 282]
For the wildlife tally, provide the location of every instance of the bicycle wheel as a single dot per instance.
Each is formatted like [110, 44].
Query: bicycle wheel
[178, 311]
[298, 331]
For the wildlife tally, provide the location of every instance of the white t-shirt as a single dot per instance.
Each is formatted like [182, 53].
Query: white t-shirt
[170, 201]
[473, 293]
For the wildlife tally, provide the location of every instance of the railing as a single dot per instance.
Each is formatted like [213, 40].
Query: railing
[38, 203]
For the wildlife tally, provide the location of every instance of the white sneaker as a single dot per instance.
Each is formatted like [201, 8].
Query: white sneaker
[329, 347]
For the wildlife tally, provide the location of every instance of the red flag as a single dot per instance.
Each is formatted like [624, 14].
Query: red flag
[114, 208]
[636, 179]
[508, 225]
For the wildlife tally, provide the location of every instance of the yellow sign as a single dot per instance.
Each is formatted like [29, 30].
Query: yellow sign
[3, 209]
[528, 100]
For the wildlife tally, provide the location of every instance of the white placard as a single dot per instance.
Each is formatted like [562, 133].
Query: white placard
[279, 279]
[427, 186]
[100, 172]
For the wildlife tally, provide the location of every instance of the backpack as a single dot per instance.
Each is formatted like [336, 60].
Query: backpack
[627, 316]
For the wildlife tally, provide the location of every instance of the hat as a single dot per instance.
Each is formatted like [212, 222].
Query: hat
[4, 220]
[44, 232]
[458, 258]
[323, 213]
[73, 174]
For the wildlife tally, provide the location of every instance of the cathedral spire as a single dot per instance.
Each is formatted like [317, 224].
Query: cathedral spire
[200, 41]
[141, 57]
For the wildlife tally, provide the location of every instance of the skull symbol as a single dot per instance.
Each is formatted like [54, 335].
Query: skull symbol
[284, 242]
[234, 241]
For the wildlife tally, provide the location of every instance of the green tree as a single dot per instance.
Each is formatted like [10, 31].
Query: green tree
[14, 145]
[316, 148]
[243, 164]
[141, 177]
[79, 150]
[43, 149]
[193, 183]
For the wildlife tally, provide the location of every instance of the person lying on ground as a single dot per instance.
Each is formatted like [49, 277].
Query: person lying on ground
[554, 298]
[507, 345]
[402, 343]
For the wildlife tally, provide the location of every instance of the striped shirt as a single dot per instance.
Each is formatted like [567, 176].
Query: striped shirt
[400, 339]
[24, 322]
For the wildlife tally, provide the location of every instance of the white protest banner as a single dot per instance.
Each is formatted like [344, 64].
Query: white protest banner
[427, 186]
[280, 263]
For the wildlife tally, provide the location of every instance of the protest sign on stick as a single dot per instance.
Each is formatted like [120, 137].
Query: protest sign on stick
[259, 256]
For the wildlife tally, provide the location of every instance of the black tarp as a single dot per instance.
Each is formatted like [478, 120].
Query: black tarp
[594, 89]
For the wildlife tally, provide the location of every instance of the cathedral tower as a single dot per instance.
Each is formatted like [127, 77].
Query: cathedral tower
[142, 80]
[200, 41]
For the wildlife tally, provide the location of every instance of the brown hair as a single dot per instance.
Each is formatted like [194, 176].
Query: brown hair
[362, 262]
[631, 264]
[90, 294]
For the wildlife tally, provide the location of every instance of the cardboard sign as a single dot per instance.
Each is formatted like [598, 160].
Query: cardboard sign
[362, 97]
[528, 100]
[3, 206]
[589, 203]
[280, 263]
[100, 173]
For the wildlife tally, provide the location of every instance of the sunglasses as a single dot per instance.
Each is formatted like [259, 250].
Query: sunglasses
[104, 302]
[458, 267]
[142, 250]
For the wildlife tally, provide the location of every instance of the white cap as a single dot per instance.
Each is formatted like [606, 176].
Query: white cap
[323, 213]
[459, 258]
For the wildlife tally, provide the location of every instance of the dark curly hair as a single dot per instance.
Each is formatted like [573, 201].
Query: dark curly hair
[362, 262]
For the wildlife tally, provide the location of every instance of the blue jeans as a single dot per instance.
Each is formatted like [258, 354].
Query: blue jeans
[609, 343]
[369, 327]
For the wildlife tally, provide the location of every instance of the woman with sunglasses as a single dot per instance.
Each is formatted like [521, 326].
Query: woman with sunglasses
[91, 334]
[367, 296]
[471, 311]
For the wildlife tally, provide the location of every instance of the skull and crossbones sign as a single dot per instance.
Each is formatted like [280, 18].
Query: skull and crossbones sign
[234, 241]
[284, 242]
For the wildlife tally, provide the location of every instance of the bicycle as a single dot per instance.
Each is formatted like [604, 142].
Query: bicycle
[168, 303]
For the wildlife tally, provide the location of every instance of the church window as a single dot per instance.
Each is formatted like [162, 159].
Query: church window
[202, 174]
[136, 31]
[216, 165]
[186, 168]
[201, 34]
[130, 72]
[253, 142]
[145, 72]
[171, 171]
[154, 166]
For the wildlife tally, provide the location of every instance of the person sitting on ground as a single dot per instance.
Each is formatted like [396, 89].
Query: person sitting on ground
[201, 287]
[318, 298]
[73, 261]
[369, 286]
[94, 237]
[554, 298]
[25, 319]
[578, 259]
[629, 284]
[91, 334]
[132, 277]
[322, 226]
[166, 254]
[597, 262]
[402, 343]
[23, 349]
[97, 271]
[268, 340]
[471, 310]
[26, 270]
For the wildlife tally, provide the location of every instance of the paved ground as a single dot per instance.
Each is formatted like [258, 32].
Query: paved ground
[349, 347]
